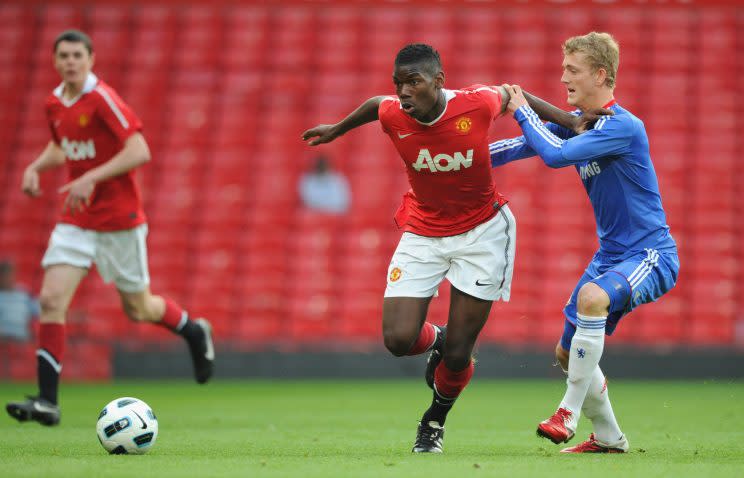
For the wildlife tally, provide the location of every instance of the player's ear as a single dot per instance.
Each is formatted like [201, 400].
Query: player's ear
[92, 59]
[439, 79]
[601, 76]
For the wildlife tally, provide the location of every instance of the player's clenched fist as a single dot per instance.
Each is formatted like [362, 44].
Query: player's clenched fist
[30, 183]
[516, 97]
[323, 133]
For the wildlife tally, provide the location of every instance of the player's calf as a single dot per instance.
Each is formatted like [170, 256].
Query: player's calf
[399, 340]
[140, 307]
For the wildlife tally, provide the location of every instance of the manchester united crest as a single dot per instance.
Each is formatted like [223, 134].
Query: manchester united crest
[83, 121]
[395, 274]
[463, 125]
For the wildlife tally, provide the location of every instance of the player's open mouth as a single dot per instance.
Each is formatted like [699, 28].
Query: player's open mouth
[571, 90]
[407, 107]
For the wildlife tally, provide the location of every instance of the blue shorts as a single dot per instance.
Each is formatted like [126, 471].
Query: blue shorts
[629, 281]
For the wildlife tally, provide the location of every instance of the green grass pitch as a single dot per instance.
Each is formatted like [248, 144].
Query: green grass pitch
[366, 428]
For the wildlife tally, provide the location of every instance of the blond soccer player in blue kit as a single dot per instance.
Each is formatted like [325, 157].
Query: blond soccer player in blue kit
[637, 259]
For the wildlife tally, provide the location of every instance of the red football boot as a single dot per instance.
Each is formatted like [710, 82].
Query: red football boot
[558, 428]
[593, 446]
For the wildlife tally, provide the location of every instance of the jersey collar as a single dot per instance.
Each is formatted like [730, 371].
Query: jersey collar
[612, 102]
[90, 84]
[448, 95]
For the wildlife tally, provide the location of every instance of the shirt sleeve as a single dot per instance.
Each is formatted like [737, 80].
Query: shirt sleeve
[118, 116]
[384, 107]
[50, 123]
[492, 97]
[508, 150]
[611, 136]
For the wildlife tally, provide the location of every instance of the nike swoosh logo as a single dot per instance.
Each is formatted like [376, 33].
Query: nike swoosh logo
[401, 136]
[144, 425]
[479, 283]
[43, 408]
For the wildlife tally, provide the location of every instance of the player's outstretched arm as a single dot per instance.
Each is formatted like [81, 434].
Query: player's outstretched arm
[610, 137]
[50, 158]
[135, 153]
[577, 124]
[325, 133]
[507, 150]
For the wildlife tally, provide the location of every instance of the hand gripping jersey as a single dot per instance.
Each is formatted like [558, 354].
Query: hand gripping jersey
[91, 129]
[447, 162]
[614, 164]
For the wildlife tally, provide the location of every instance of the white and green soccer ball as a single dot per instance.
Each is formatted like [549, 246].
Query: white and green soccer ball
[127, 425]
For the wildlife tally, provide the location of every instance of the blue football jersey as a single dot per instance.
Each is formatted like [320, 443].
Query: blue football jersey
[615, 166]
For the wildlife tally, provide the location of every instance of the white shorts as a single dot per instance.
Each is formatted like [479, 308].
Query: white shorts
[120, 256]
[479, 262]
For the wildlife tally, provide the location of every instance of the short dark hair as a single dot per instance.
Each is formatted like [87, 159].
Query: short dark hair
[419, 53]
[74, 36]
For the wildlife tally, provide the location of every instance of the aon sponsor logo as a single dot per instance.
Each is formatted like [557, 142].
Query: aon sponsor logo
[443, 162]
[79, 150]
[591, 169]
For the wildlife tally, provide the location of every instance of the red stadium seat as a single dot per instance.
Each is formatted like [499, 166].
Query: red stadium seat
[224, 95]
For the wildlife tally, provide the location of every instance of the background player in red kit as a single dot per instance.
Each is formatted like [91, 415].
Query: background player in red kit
[98, 137]
[456, 225]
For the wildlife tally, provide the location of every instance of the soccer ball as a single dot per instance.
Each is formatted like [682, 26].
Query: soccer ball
[127, 425]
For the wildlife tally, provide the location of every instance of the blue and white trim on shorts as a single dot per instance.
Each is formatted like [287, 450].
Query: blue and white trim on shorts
[636, 279]
[644, 268]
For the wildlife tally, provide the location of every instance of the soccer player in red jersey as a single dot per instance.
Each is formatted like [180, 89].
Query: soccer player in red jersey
[98, 137]
[456, 225]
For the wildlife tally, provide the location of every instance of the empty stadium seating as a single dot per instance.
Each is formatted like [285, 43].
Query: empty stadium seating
[225, 93]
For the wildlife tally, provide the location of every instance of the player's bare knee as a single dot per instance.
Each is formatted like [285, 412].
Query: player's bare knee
[397, 347]
[398, 344]
[592, 300]
[48, 303]
[51, 303]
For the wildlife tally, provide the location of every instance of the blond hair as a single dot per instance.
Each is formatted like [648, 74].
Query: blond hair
[601, 50]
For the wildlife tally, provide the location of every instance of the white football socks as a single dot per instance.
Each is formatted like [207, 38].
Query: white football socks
[586, 350]
[598, 409]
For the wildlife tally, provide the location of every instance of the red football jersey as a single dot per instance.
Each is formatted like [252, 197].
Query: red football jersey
[447, 162]
[91, 129]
